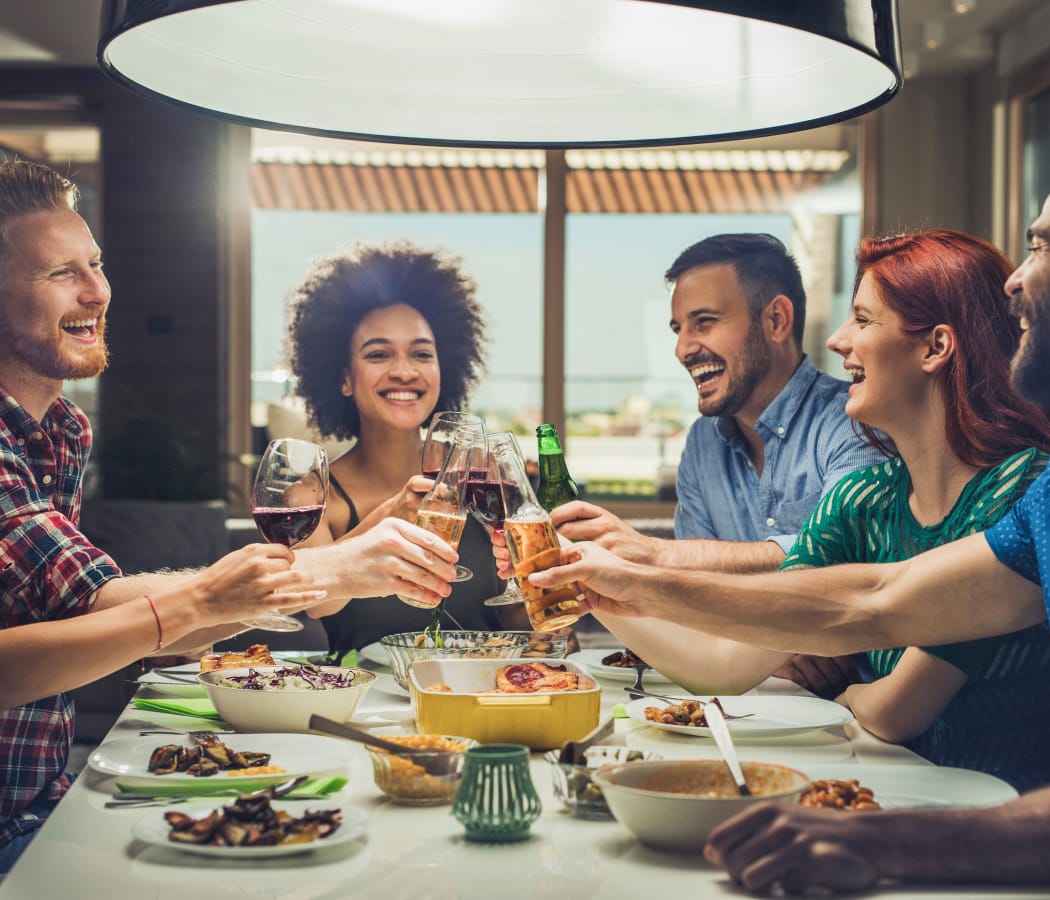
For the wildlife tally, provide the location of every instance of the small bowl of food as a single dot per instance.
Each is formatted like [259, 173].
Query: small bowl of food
[674, 804]
[574, 784]
[407, 647]
[426, 777]
[282, 698]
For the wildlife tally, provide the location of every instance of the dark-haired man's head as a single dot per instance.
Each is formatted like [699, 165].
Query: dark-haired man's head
[738, 304]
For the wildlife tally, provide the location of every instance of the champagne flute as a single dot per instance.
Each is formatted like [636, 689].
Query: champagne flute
[288, 501]
[443, 510]
[486, 503]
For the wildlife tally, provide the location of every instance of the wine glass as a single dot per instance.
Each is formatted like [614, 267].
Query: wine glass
[442, 433]
[288, 502]
[443, 511]
[486, 503]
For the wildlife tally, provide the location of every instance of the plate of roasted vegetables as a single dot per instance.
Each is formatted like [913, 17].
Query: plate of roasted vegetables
[219, 762]
[251, 827]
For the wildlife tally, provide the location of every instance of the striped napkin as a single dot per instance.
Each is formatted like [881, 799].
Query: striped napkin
[327, 785]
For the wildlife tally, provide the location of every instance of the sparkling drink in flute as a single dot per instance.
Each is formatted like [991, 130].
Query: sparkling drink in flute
[534, 547]
[443, 510]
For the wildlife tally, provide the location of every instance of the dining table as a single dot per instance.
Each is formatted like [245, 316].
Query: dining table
[87, 850]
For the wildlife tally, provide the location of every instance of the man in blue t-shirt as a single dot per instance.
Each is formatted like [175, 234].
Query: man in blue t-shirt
[982, 585]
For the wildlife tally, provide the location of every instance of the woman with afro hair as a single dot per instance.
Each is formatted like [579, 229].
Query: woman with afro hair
[381, 336]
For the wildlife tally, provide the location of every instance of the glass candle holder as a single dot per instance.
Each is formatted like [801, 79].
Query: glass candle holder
[497, 801]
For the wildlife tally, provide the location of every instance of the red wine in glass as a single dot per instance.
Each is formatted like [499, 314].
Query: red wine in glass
[288, 525]
[486, 501]
[288, 501]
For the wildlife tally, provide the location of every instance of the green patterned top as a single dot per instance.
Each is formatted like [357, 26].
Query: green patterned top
[999, 722]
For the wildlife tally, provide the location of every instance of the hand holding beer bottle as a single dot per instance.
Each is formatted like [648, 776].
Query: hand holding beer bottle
[533, 546]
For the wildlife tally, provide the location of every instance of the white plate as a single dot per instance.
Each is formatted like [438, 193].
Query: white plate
[374, 653]
[799, 751]
[174, 681]
[907, 786]
[300, 754]
[152, 829]
[592, 661]
[772, 716]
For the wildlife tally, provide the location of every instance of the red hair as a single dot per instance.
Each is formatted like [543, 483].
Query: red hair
[941, 277]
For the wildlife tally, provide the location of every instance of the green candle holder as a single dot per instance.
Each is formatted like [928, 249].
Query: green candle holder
[496, 801]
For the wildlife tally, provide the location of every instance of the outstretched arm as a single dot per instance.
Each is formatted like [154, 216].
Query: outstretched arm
[939, 597]
[394, 557]
[802, 849]
[43, 658]
[581, 521]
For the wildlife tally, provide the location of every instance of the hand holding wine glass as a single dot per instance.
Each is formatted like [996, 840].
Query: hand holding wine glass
[443, 510]
[486, 503]
[288, 501]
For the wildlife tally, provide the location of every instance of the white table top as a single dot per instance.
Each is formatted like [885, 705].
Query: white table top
[408, 852]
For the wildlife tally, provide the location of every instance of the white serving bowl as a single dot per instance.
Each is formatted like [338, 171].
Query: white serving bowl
[288, 709]
[650, 798]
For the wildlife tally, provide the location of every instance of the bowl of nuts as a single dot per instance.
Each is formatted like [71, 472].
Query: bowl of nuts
[574, 786]
[414, 779]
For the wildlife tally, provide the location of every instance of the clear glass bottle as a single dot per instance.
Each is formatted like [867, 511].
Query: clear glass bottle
[534, 547]
[556, 485]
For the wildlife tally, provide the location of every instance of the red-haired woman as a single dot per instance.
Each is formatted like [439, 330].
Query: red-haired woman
[928, 345]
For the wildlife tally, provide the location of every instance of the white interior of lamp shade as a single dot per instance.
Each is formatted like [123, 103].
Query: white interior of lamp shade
[497, 71]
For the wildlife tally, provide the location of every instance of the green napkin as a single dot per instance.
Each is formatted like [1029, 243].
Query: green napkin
[184, 706]
[204, 787]
[620, 711]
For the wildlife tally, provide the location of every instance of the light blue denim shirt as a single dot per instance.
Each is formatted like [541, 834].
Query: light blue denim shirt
[810, 443]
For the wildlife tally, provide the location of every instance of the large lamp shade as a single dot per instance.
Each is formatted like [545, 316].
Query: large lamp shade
[512, 73]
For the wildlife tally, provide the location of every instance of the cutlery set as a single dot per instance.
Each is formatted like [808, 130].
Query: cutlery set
[134, 800]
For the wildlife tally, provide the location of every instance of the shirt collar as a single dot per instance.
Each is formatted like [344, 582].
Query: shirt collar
[776, 418]
[59, 416]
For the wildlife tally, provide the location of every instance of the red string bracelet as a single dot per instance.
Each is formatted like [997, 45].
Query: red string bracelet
[160, 629]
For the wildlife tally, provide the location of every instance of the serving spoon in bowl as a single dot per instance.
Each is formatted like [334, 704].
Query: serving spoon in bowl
[435, 762]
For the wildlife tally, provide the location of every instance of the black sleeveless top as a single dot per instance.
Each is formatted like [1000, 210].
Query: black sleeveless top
[367, 619]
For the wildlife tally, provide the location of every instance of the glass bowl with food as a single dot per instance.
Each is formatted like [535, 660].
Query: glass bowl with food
[408, 647]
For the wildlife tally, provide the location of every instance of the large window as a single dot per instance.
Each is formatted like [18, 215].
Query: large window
[627, 402]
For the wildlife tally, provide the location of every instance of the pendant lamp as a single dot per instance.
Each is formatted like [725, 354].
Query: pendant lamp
[511, 73]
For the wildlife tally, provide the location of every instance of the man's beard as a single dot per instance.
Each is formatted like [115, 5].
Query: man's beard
[752, 366]
[1029, 369]
[50, 360]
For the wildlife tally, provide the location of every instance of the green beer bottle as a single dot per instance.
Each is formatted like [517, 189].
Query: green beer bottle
[556, 484]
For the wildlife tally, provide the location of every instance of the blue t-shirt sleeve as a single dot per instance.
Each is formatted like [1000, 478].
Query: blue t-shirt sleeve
[1021, 538]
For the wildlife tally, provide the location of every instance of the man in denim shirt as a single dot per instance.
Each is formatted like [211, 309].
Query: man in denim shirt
[773, 436]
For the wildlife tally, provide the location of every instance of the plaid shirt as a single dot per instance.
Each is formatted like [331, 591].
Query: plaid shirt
[48, 570]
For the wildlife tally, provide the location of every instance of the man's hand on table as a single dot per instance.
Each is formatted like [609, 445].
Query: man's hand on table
[825, 676]
[798, 848]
